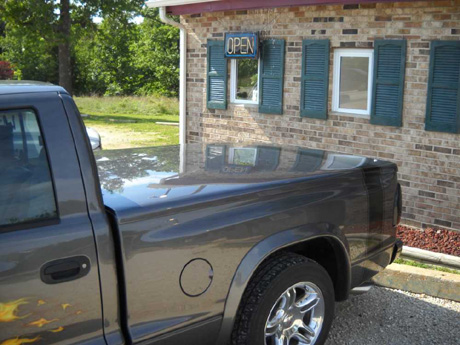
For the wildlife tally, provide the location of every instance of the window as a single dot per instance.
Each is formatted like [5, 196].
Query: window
[26, 190]
[244, 81]
[352, 81]
[257, 82]
[243, 156]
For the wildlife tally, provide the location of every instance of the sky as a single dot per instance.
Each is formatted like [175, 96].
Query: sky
[137, 20]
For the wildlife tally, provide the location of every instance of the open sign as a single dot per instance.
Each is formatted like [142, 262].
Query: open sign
[241, 45]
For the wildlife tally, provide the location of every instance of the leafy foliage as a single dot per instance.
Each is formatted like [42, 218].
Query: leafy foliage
[123, 58]
[115, 57]
[156, 56]
[32, 55]
[104, 60]
[118, 167]
[6, 71]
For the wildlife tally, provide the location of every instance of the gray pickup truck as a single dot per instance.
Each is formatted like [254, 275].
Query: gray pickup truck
[198, 244]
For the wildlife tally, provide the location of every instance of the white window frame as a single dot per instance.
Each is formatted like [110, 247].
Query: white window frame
[234, 84]
[338, 54]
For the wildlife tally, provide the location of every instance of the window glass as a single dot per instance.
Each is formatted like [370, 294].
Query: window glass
[354, 77]
[247, 81]
[243, 156]
[26, 190]
[352, 81]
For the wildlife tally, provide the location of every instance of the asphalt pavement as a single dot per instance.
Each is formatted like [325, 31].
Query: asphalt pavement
[392, 317]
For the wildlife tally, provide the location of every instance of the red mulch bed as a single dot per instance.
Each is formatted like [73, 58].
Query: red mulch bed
[435, 240]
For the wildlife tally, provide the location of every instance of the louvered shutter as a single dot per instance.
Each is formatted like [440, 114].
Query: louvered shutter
[315, 79]
[443, 103]
[308, 160]
[215, 157]
[388, 82]
[271, 77]
[217, 76]
[268, 158]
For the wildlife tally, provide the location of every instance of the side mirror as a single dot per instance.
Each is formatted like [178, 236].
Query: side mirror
[94, 138]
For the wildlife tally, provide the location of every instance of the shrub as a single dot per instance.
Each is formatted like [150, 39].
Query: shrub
[6, 70]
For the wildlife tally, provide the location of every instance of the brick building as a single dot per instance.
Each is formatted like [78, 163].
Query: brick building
[378, 79]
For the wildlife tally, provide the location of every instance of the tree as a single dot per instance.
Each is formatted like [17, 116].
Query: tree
[33, 57]
[6, 71]
[104, 59]
[156, 56]
[2, 33]
[122, 57]
[128, 165]
[52, 21]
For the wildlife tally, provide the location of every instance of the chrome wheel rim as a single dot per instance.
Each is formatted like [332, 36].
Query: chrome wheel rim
[297, 316]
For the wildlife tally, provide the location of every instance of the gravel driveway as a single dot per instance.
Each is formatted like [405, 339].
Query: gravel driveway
[391, 317]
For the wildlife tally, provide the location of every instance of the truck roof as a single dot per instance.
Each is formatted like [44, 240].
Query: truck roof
[9, 87]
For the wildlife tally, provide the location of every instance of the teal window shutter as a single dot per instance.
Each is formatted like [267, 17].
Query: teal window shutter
[308, 160]
[443, 103]
[315, 79]
[268, 158]
[217, 76]
[271, 77]
[388, 82]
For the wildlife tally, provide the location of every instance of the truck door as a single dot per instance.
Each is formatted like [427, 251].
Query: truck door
[49, 284]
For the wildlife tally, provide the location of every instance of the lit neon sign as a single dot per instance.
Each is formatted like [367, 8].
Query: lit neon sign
[241, 45]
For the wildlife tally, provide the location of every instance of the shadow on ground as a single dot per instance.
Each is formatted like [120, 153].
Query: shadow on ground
[389, 317]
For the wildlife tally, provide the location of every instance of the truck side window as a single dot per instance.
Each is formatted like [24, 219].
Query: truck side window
[26, 190]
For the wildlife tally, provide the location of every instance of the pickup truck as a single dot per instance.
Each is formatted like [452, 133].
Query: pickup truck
[194, 244]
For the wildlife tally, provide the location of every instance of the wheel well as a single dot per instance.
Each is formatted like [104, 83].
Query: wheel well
[329, 254]
[326, 251]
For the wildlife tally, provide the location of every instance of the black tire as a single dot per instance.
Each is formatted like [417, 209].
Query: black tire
[267, 285]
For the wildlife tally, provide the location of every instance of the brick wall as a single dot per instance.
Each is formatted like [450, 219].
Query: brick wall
[429, 162]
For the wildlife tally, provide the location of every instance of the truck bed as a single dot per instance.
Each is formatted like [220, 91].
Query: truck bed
[163, 177]
[217, 203]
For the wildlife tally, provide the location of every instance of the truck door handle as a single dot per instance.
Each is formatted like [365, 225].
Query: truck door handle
[64, 270]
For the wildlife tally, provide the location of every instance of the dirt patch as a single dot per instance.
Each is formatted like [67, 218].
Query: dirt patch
[435, 240]
[123, 136]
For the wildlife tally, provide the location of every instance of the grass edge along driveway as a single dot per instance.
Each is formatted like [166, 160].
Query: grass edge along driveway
[126, 122]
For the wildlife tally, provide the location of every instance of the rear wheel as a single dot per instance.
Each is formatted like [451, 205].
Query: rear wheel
[290, 301]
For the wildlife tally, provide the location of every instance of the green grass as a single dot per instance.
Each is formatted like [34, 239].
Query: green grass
[157, 106]
[125, 122]
[422, 265]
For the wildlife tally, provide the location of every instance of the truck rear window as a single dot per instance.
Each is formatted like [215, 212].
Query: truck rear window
[26, 189]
